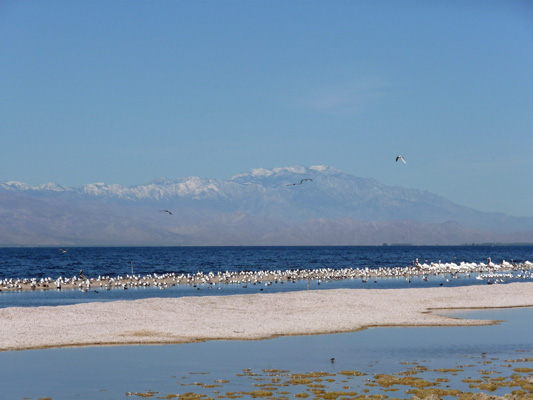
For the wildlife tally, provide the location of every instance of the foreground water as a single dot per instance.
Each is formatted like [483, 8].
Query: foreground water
[374, 361]
[385, 361]
[55, 262]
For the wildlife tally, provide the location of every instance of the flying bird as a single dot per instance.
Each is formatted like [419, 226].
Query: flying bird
[302, 181]
[63, 250]
[167, 211]
[400, 158]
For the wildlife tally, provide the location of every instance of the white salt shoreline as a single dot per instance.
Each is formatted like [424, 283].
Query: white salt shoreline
[248, 316]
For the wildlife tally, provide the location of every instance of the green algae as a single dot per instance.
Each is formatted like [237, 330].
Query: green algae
[520, 360]
[258, 393]
[333, 395]
[523, 370]
[385, 380]
[425, 393]
[316, 386]
[193, 396]
[448, 370]
[275, 371]
[146, 394]
[351, 373]
[340, 385]
[233, 395]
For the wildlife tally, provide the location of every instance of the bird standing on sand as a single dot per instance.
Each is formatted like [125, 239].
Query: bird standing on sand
[167, 211]
[400, 158]
[82, 276]
[302, 181]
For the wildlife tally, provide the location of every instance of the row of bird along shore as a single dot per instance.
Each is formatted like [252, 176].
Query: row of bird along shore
[491, 272]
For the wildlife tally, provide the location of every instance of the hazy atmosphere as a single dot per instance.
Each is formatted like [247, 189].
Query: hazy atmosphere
[127, 92]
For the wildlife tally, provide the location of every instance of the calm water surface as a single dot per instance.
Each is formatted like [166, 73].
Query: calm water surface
[44, 262]
[112, 372]
[107, 373]
[52, 262]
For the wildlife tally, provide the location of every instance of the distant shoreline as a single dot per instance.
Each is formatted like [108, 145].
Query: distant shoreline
[248, 317]
[72, 246]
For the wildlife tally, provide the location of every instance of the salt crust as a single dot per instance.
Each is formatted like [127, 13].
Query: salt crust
[247, 316]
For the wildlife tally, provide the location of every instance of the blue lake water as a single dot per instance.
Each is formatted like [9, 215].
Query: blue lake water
[215, 368]
[43, 262]
[52, 262]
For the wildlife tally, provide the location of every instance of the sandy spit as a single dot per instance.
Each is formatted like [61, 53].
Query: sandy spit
[248, 316]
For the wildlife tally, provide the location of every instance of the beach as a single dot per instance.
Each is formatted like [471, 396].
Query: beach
[248, 316]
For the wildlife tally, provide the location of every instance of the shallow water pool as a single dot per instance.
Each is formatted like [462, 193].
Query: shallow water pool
[443, 358]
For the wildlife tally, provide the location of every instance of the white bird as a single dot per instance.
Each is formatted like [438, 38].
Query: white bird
[63, 250]
[400, 158]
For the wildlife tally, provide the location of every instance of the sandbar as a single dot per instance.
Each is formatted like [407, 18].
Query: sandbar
[248, 316]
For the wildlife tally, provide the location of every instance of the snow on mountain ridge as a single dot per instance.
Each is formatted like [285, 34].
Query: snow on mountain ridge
[323, 168]
[50, 186]
[336, 207]
[259, 188]
[295, 169]
[163, 187]
[160, 189]
[13, 185]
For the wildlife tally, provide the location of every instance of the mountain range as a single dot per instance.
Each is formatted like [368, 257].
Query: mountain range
[261, 207]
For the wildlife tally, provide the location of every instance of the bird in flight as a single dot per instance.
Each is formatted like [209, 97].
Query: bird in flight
[167, 211]
[302, 181]
[400, 158]
[63, 250]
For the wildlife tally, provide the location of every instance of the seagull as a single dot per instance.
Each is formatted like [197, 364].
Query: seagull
[63, 250]
[167, 211]
[400, 158]
[302, 181]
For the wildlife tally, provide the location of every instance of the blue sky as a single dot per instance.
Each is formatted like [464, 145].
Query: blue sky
[129, 91]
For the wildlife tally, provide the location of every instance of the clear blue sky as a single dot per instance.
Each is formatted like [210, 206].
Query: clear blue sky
[129, 91]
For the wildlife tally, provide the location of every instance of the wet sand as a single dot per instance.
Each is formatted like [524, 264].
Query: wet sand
[247, 317]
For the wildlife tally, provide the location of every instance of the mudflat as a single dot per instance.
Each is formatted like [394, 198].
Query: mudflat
[247, 316]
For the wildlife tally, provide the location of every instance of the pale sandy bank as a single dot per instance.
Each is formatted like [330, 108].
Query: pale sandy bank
[250, 316]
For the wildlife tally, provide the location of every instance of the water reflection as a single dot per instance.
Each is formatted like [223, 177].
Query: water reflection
[215, 368]
[66, 297]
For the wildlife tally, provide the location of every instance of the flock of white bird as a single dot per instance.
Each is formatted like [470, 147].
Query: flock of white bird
[493, 273]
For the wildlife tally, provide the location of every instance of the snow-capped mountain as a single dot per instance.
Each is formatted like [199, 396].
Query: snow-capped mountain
[292, 205]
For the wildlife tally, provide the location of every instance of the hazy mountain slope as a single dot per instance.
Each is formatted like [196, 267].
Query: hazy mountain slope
[260, 207]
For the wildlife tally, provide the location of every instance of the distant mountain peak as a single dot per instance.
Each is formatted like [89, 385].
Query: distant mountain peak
[262, 206]
[295, 169]
[323, 168]
[50, 186]
[193, 183]
[13, 185]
